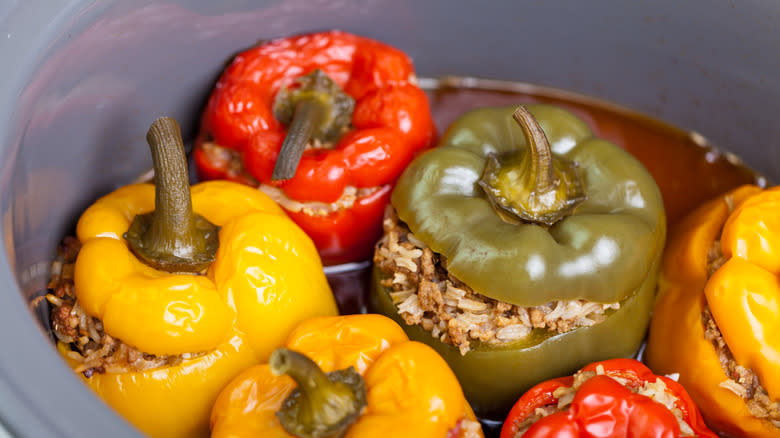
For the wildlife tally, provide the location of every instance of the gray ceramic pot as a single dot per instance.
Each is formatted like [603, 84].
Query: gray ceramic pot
[82, 79]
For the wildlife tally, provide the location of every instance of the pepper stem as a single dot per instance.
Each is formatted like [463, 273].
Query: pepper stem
[540, 160]
[172, 238]
[316, 109]
[323, 405]
[308, 114]
[539, 187]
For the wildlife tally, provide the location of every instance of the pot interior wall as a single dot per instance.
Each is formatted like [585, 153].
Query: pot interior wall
[88, 77]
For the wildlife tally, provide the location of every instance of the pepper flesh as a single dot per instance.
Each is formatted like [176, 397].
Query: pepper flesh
[742, 295]
[411, 391]
[391, 122]
[267, 277]
[607, 251]
[604, 408]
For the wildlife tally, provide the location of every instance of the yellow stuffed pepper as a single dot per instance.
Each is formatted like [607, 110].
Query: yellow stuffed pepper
[378, 383]
[176, 290]
[718, 311]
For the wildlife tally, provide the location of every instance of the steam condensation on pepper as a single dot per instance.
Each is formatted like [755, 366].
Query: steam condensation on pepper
[324, 123]
[720, 287]
[508, 296]
[171, 291]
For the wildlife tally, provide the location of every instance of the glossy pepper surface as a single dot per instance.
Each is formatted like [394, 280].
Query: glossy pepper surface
[266, 277]
[373, 119]
[742, 295]
[606, 249]
[410, 391]
[613, 403]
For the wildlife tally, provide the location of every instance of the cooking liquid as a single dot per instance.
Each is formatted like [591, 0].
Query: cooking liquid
[687, 169]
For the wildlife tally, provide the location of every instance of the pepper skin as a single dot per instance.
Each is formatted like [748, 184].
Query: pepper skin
[267, 277]
[605, 408]
[411, 391]
[390, 123]
[742, 295]
[607, 250]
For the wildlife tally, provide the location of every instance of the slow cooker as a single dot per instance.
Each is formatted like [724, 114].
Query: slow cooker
[82, 80]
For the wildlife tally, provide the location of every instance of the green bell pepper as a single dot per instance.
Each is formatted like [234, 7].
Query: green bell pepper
[528, 214]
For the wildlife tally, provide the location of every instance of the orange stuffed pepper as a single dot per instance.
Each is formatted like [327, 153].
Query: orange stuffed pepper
[718, 311]
[351, 376]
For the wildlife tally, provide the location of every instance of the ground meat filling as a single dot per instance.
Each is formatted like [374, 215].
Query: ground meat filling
[91, 346]
[741, 381]
[426, 294]
[657, 391]
[226, 158]
[232, 161]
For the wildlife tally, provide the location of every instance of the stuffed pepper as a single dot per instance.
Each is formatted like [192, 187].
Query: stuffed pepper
[323, 123]
[351, 376]
[617, 398]
[170, 291]
[521, 250]
[717, 312]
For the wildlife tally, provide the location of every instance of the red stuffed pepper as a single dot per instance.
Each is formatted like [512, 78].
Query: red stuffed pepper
[609, 399]
[324, 123]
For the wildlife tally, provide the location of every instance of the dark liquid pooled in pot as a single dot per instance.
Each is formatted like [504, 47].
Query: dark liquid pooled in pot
[687, 172]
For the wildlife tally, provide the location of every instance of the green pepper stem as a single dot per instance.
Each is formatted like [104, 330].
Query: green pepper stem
[538, 188]
[308, 114]
[172, 199]
[172, 238]
[317, 108]
[323, 405]
[540, 162]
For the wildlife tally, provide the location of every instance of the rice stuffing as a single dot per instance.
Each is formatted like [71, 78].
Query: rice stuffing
[426, 294]
[347, 200]
[94, 349]
[235, 165]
